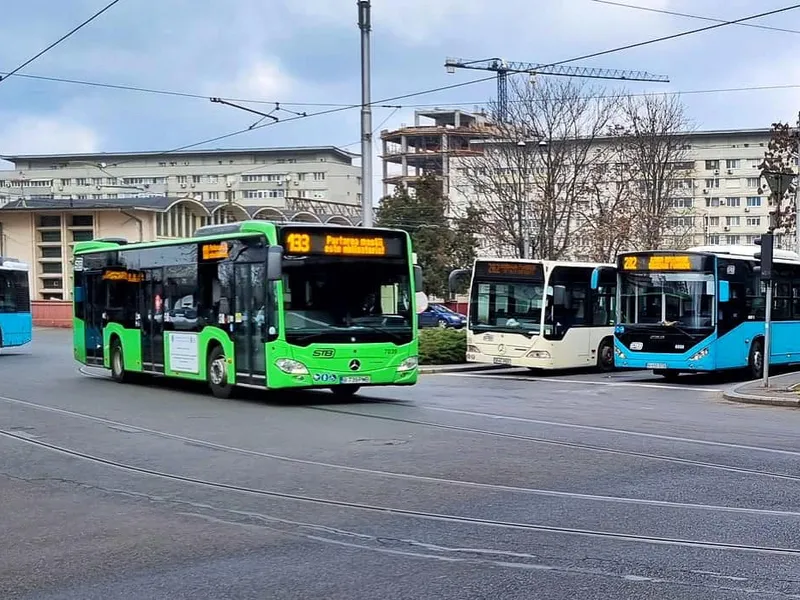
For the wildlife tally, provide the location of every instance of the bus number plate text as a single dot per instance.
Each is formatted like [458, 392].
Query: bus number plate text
[356, 379]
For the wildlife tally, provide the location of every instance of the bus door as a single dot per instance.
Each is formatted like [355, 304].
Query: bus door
[152, 321]
[94, 295]
[250, 312]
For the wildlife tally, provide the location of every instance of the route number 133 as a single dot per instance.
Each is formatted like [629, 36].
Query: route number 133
[298, 242]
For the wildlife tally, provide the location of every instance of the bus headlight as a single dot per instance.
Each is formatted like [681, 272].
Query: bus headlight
[473, 349]
[538, 354]
[702, 354]
[619, 353]
[291, 367]
[408, 364]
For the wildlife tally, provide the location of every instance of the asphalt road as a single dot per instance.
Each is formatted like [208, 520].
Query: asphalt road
[467, 486]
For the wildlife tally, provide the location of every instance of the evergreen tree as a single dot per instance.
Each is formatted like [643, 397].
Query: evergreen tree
[441, 244]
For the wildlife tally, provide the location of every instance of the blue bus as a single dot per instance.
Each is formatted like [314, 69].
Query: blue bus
[702, 310]
[16, 323]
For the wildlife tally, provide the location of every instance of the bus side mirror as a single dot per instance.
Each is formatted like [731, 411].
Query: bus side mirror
[418, 279]
[274, 263]
[724, 291]
[559, 295]
[455, 278]
[595, 278]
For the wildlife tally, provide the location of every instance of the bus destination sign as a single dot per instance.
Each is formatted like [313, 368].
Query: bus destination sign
[215, 251]
[507, 269]
[662, 262]
[346, 244]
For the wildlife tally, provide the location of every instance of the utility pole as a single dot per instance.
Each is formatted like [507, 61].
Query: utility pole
[797, 190]
[365, 25]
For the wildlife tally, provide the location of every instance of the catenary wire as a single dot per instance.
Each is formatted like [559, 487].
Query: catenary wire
[675, 35]
[673, 13]
[59, 40]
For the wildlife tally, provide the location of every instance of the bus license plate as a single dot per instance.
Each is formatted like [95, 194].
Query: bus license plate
[656, 365]
[502, 361]
[361, 379]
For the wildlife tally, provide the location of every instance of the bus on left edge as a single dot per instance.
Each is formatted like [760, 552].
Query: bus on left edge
[16, 322]
[254, 304]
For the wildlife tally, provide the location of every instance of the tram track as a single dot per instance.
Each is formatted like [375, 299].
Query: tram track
[392, 511]
[131, 428]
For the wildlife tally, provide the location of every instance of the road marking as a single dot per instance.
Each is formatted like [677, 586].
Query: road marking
[658, 386]
[669, 438]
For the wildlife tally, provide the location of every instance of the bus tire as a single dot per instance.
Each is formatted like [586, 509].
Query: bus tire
[605, 355]
[345, 391]
[117, 361]
[217, 373]
[755, 362]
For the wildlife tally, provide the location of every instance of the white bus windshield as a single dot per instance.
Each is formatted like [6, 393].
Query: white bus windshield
[514, 307]
[682, 299]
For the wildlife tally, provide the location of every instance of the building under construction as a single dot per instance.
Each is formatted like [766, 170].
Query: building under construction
[436, 137]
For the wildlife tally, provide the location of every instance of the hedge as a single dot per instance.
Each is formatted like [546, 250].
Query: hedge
[442, 346]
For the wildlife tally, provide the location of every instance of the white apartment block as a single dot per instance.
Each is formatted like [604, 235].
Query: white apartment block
[249, 177]
[722, 200]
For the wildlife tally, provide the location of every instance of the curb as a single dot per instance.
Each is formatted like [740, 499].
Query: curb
[735, 396]
[434, 369]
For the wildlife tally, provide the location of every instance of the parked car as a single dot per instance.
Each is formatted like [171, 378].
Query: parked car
[438, 315]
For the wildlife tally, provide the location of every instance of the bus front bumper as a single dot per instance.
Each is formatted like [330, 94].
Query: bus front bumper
[327, 378]
[535, 359]
[697, 359]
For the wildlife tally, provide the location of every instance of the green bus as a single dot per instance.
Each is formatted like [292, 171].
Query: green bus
[253, 304]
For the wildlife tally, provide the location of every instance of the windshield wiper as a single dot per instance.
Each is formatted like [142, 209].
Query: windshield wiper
[674, 325]
[392, 334]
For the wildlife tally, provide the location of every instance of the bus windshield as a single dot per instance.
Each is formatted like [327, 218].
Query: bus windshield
[347, 300]
[682, 299]
[515, 307]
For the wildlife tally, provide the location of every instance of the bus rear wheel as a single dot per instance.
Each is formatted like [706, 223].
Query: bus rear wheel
[217, 374]
[118, 373]
[605, 356]
[345, 391]
[755, 362]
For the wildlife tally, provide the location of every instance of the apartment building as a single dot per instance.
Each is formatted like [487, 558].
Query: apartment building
[721, 201]
[251, 177]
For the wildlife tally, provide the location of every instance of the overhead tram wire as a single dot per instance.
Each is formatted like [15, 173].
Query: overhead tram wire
[675, 35]
[59, 40]
[320, 113]
[673, 13]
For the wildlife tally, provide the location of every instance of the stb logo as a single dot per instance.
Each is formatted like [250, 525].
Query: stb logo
[324, 353]
[355, 365]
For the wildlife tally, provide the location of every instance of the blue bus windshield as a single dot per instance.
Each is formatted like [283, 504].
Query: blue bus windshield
[682, 299]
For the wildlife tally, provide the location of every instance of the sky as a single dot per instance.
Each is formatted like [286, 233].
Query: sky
[305, 53]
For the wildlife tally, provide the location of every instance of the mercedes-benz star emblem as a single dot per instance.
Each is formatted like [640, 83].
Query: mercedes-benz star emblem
[355, 365]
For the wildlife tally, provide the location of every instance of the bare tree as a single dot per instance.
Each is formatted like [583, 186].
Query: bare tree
[780, 156]
[652, 143]
[529, 179]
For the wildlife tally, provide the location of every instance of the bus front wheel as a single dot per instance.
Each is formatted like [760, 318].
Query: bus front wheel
[217, 374]
[755, 362]
[118, 362]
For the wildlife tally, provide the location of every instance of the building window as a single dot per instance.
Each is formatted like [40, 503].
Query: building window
[301, 176]
[82, 220]
[733, 202]
[681, 202]
[181, 178]
[197, 178]
[82, 236]
[711, 165]
[712, 221]
[713, 240]
[51, 283]
[753, 182]
[732, 240]
[213, 195]
[753, 201]
[319, 176]
[50, 237]
[51, 251]
[753, 221]
[712, 202]
[732, 163]
[81, 181]
[49, 221]
[51, 268]
[712, 183]
[732, 221]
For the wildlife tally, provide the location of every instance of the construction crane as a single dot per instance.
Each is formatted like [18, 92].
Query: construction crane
[503, 68]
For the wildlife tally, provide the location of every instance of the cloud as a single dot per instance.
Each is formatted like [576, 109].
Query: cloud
[46, 134]
[261, 80]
